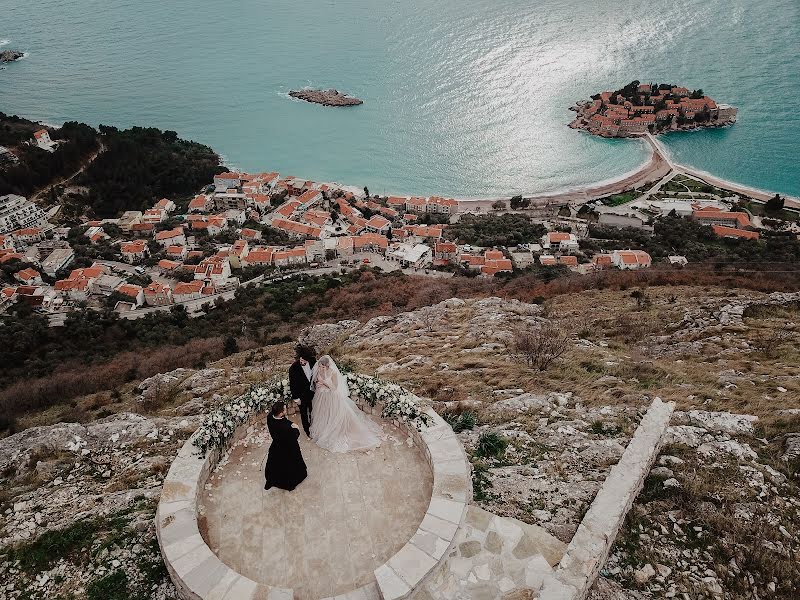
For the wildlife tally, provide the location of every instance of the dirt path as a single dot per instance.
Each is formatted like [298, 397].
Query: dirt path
[82, 168]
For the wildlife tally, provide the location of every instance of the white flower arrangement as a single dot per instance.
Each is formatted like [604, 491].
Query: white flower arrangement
[219, 426]
[398, 403]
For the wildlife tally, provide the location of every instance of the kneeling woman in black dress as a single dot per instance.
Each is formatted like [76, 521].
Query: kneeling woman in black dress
[285, 465]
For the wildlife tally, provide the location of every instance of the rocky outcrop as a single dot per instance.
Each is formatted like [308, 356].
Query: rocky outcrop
[10, 55]
[326, 97]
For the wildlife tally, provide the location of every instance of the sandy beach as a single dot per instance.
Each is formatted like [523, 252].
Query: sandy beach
[656, 168]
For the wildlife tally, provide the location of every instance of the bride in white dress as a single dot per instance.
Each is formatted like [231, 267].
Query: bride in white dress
[337, 424]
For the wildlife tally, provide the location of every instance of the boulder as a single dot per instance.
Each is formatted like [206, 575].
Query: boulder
[10, 55]
[723, 422]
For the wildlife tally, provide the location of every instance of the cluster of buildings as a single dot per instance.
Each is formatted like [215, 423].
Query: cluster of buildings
[649, 107]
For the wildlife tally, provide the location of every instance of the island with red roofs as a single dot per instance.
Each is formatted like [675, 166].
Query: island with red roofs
[640, 108]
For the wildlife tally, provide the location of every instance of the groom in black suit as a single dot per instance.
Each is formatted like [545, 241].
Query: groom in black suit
[300, 383]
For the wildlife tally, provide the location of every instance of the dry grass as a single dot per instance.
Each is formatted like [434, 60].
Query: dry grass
[610, 361]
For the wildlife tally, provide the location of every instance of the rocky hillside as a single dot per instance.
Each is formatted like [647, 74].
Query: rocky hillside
[719, 516]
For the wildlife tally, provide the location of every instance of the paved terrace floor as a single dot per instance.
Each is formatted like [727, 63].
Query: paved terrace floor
[351, 514]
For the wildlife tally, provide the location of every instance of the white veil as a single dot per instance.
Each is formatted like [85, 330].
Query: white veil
[333, 370]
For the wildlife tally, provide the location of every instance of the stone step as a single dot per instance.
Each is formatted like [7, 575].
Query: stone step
[493, 557]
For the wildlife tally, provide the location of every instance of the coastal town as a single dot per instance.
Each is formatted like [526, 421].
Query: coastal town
[639, 108]
[251, 229]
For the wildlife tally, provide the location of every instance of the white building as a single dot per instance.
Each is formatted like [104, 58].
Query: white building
[16, 212]
[416, 256]
[58, 259]
[43, 140]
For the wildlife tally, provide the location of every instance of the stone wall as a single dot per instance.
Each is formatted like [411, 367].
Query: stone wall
[589, 548]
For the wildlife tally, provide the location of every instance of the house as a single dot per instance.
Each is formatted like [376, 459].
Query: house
[492, 266]
[250, 235]
[31, 295]
[258, 256]
[344, 247]
[58, 259]
[166, 205]
[158, 294]
[133, 251]
[567, 260]
[444, 252]
[143, 229]
[297, 229]
[379, 224]
[293, 256]
[424, 232]
[154, 216]
[677, 260]
[6, 243]
[105, 283]
[370, 242]
[29, 235]
[8, 296]
[95, 234]
[416, 256]
[446, 206]
[712, 216]
[176, 251]
[134, 292]
[547, 260]
[214, 269]
[172, 237]
[200, 204]
[234, 216]
[16, 212]
[188, 291]
[128, 219]
[238, 253]
[308, 198]
[319, 218]
[165, 265]
[225, 181]
[28, 277]
[42, 139]
[602, 261]
[733, 232]
[315, 250]
[560, 241]
[630, 259]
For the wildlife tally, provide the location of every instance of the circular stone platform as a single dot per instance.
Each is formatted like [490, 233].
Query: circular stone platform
[327, 537]
[352, 513]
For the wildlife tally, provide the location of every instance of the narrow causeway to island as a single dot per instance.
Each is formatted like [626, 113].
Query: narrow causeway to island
[326, 538]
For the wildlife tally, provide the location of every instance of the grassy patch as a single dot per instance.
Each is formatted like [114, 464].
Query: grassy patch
[110, 587]
[51, 546]
[491, 445]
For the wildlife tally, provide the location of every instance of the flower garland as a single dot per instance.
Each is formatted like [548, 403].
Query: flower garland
[219, 426]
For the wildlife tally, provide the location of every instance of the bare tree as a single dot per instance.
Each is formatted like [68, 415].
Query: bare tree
[428, 316]
[540, 346]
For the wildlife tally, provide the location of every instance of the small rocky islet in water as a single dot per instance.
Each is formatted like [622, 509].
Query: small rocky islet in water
[10, 55]
[326, 97]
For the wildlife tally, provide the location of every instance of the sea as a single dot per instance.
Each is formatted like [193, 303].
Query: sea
[465, 98]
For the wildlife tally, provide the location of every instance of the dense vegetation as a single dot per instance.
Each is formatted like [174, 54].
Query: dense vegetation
[37, 168]
[134, 168]
[697, 242]
[141, 165]
[495, 230]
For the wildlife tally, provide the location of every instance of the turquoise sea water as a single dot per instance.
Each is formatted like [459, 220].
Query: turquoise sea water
[461, 97]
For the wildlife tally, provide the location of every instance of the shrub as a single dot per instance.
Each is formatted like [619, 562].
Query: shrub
[491, 445]
[541, 346]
